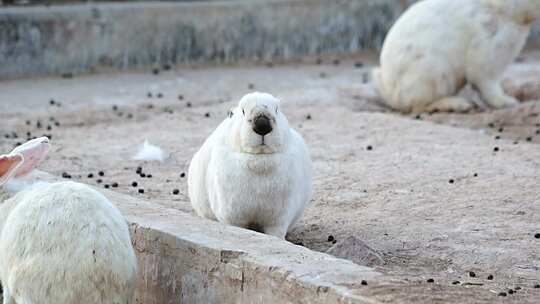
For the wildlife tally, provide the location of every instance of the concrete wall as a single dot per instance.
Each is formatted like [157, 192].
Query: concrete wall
[81, 38]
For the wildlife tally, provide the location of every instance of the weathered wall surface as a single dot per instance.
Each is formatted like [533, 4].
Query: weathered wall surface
[80, 38]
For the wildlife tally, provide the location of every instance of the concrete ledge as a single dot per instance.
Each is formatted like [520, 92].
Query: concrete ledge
[186, 259]
[82, 38]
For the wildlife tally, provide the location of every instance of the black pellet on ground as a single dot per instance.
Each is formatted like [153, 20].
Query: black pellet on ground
[364, 282]
[456, 282]
[497, 137]
[517, 288]
[537, 236]
[491, 125]
[106, 186]
[57, 123]
[114, 185]
[134, 184]
[251, 86]
[528, 139]
[49, 127]
[537, 132]
[115, 108]
[308, 117]
[188, 104]
[472, 274]
[139, 170]
[358, 64]
[101, 173]
[38, 124]
[206, 114]
[501, 130]
[52, 102]
[369, 148]
[418, 117]
[142, 175]
[175, 191]
[90, 175]
[510, 291]
[430, 280]
[180, 97]
[334, 241]
[536, 286]
[149, 176]
[66, 175]
[451, 181]
[502, 294]
[182, 175]
[475, 175]
[155, 71]
[159, 95]
[331, 238]
[129, 116]
[141, 191]
[149, 95]
[99, 181]
[496, 149]
[490, 277]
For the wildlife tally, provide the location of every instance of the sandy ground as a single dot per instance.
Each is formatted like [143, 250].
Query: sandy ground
[428, 194]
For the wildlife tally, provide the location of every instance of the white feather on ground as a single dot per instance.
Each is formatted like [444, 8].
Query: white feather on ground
[149, 152]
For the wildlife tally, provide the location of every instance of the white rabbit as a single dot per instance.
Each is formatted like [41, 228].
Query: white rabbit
[438, 46]
[61, 242]
[254, 171]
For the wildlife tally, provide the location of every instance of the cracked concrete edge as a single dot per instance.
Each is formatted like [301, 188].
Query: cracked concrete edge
[85, 38]
[186, 259]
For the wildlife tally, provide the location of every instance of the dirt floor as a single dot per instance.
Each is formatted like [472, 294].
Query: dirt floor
[451, 198]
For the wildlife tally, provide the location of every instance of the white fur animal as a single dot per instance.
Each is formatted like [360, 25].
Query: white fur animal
[437, 46]
[254, 171]
[61, 242]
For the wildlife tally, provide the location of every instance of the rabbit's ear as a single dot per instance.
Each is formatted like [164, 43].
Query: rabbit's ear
[8, 166]
[33, 153]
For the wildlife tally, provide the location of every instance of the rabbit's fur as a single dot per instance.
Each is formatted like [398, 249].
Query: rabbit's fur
[64, 243]
[438, 46]
[236, 179]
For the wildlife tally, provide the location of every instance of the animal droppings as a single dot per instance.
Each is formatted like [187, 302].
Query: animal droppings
[99, 181]
[331, 238]
[502, 294]
[456, 282]
[101, 173]
[175, 191]
[66, 175]
[106, 186]
[451, 181]
[206, 114]
[308, 117]
[430, 280]
[369, 148]
[251, 86]
[180, 97]
[358, 64]
[472, 274]
[141, 191]
[90, 175]
[336, 62]
[182, 175]
[496, 149]
[114, 185]
[134, 184]
[537, 236]
[364, 282]
[155, 71]
[490, 277]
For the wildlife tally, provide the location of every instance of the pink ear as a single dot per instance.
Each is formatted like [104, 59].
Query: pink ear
[33, 153]
[8, 166]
